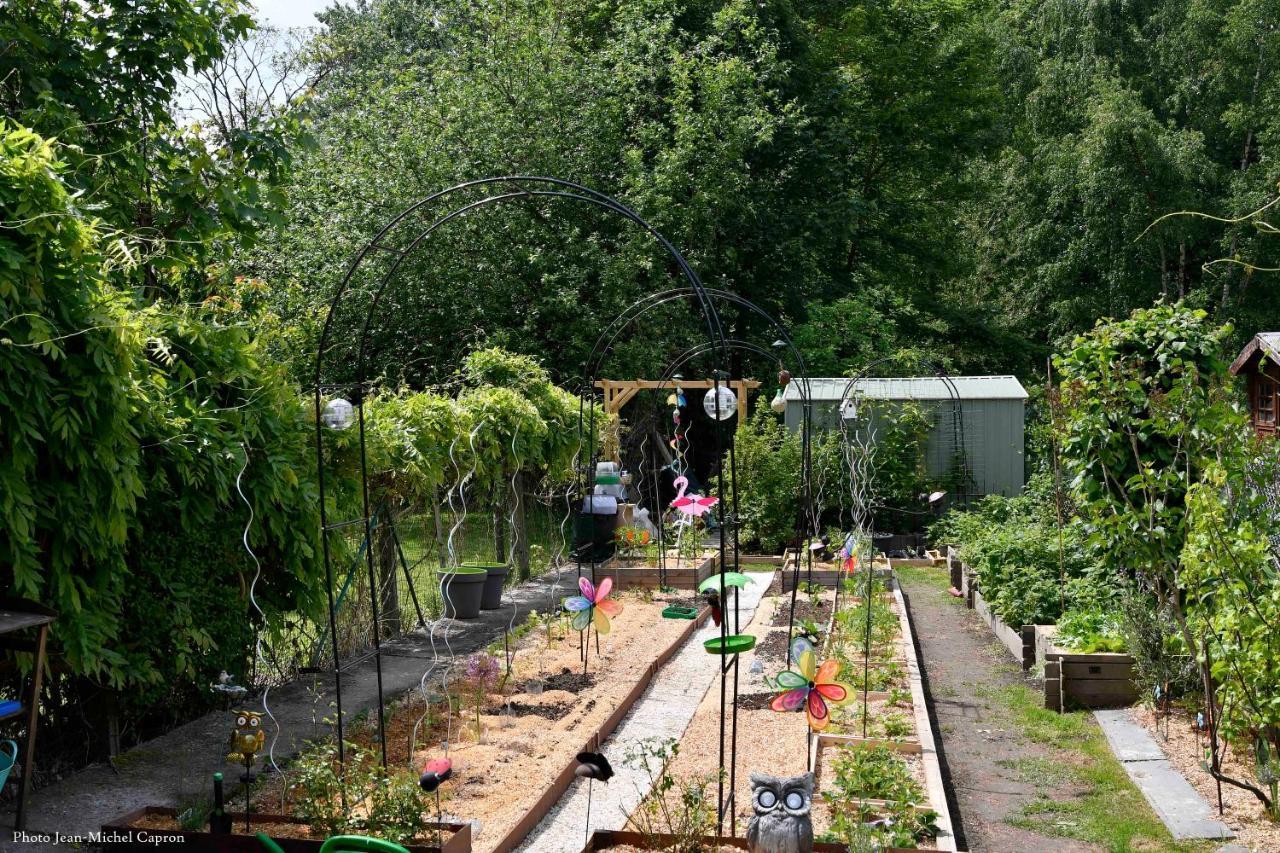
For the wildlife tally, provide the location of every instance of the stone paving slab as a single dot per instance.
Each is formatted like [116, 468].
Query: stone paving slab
[182, 762]
[1180, 806]
[664, 711]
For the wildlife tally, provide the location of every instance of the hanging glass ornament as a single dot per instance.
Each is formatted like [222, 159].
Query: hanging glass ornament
[337, 414]
[720, 403]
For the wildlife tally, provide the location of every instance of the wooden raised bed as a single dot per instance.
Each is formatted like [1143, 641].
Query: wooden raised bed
[686, 576]
[1071, 679]
[603, 839]
[1083, 680]
[122, 834]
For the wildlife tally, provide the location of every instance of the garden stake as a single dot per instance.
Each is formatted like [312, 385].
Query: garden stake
[587, 831]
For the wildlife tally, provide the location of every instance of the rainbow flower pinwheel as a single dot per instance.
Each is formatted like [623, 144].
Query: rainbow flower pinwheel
[813, 688]
[593, 605]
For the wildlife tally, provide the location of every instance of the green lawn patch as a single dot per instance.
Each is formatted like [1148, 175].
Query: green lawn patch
[1107, 809]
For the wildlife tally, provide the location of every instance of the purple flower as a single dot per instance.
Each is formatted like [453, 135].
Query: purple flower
[482, 670]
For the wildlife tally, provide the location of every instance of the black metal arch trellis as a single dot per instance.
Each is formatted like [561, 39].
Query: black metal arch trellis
[805, 518]
[505, 189]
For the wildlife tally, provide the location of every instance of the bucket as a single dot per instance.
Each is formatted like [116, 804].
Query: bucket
[496, 576]
[463, 589]
[7, 760]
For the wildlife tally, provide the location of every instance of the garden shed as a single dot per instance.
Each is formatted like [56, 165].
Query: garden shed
[986, 414]
[1259, 361]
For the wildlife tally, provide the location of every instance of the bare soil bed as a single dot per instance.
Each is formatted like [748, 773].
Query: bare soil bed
[1185, 749]
[526, 737]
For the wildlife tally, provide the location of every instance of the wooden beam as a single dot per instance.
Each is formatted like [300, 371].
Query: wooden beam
[619, 392]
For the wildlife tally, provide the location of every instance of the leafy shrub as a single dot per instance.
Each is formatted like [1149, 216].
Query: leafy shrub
[1087, 631]
[876, 773]
[322, 791]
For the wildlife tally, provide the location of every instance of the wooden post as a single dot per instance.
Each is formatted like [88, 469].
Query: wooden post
[33, 719]
[1053, 685]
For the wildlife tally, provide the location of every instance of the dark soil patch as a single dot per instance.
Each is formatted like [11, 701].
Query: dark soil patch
[773, 647]
[804, 610]
[566, 679]
[754, 701]
[550, 711]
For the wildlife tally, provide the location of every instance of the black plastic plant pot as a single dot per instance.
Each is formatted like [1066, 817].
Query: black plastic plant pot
[730, 645]
[496, 576]
[463, 591]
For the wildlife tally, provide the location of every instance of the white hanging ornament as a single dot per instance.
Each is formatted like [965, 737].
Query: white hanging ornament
[726, 399]
[337, 414]
[778, 403]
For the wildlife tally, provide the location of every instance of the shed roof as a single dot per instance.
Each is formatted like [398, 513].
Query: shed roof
[1267, 343]
[913, 388]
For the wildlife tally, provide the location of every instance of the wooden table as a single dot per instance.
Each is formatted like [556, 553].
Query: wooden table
[19, 620]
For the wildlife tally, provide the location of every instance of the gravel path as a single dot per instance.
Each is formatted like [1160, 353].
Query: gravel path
[663, 712]
[985, 758]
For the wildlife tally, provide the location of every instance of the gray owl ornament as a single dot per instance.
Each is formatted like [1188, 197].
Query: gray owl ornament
[781, 823]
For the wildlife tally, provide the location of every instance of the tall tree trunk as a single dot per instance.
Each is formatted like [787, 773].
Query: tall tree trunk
[499, 523]
[520, 530]
[387, 559]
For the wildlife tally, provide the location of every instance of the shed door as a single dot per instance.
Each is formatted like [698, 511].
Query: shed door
[1264, 405]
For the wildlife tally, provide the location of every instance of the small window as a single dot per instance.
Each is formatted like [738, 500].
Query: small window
[1264, 403]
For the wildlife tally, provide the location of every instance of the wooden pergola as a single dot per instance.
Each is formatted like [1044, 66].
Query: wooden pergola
[618, 392]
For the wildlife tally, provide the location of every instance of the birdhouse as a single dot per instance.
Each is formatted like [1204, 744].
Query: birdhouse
[1259, 363]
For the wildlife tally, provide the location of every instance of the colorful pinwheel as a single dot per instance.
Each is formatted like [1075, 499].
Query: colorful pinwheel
[813, 687]
[594, 605]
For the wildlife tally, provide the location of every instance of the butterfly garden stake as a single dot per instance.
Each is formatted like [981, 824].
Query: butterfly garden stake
[593, 607]
[811, 687]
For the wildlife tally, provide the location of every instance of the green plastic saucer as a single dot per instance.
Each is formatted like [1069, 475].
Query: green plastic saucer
[730, 645]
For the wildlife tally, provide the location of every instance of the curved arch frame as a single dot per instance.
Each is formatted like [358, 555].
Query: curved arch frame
[511, 188]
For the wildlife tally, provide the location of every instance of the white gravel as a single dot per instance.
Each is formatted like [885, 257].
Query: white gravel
[663, 712]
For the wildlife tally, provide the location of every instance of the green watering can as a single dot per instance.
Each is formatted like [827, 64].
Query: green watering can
[343, 844]
[7, 759]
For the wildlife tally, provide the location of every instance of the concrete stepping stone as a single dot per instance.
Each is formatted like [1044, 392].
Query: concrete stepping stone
[1180, 806]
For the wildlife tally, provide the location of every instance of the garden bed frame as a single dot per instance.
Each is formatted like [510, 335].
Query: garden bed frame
[1071, 679]
[607, 839]
[458, 839]
[650, 577]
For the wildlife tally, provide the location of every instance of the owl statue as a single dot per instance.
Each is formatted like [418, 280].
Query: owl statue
[247, 740]
[781, 823]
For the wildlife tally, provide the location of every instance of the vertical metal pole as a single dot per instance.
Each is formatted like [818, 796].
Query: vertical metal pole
[328, 575]
[373, 580]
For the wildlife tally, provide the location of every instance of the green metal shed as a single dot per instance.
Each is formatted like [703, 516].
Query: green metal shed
[991, 410]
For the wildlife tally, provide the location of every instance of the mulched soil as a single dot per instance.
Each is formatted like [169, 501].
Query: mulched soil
[567, 680]
[550, 711]
[773, 648]
[754, 701]
[804, 610]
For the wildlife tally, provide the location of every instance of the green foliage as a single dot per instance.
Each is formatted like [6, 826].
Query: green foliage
[683, 808]
[69, 453]
[1231, 573]
[1088, 631]
[1116, 116]
[877, 773]
[1013, 546]
[322, 791]
[101, 76]
[1143, 407]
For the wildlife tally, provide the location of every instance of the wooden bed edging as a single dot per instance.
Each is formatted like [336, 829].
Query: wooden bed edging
[1071, 679]
[605, 839]
[565, 778]
[127, 836]
[934, 788]
[650, 577]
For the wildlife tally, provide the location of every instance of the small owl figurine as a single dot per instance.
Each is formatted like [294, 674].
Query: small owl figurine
[247, 740]
[781, 823]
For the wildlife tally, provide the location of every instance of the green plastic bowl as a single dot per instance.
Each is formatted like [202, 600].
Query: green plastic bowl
[731, 645]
